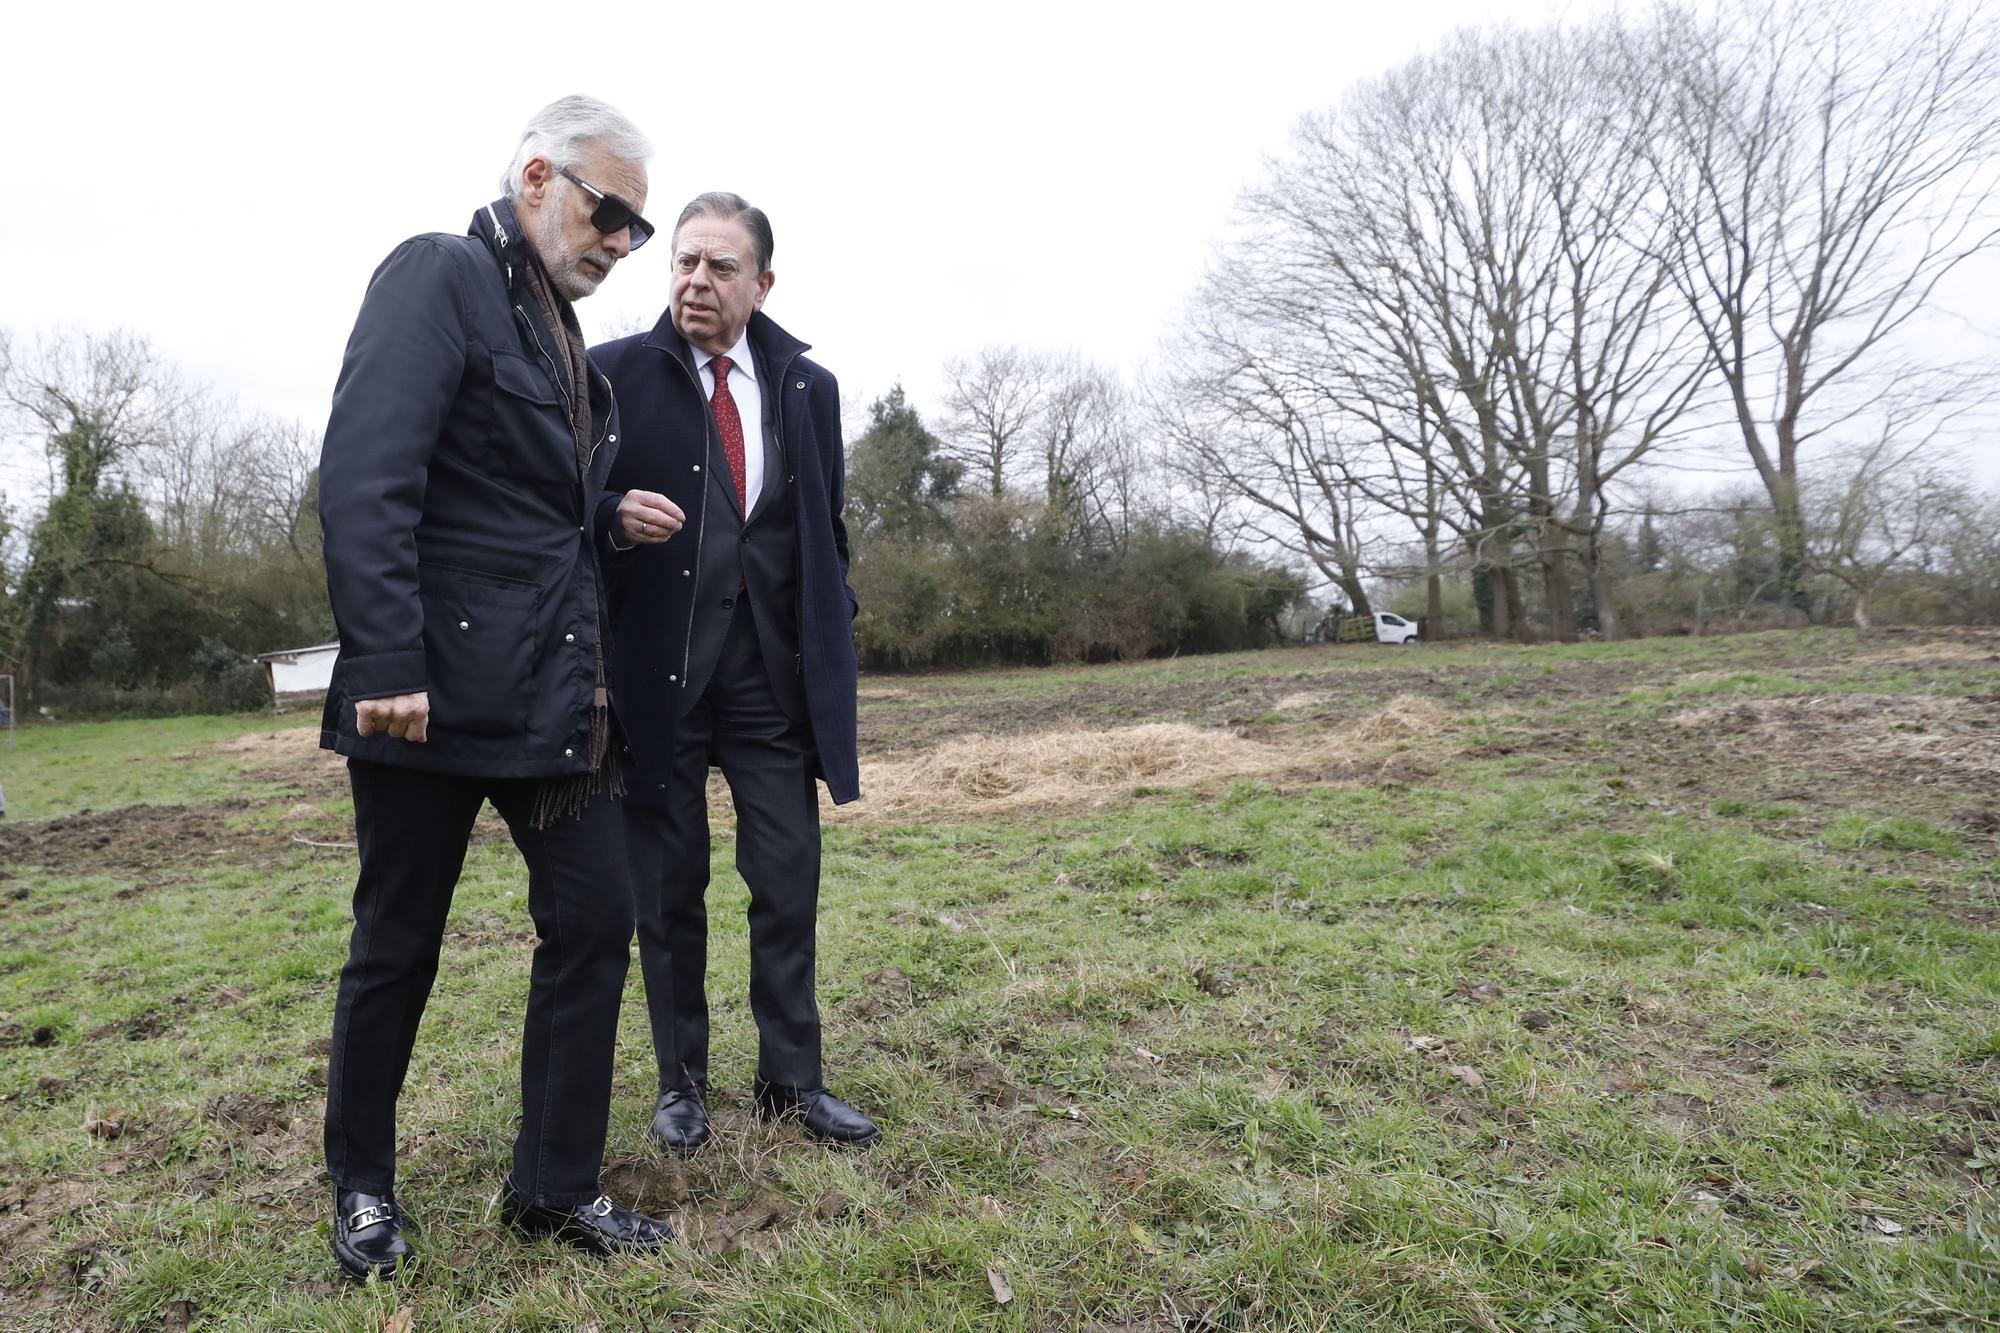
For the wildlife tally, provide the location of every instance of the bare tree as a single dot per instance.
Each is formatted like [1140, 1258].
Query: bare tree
[1892, 503]
[94, 401]
[1825, 165]
[993, 408]
[1239, 427]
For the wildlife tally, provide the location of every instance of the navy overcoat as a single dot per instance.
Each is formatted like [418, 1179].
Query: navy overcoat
[666, 424]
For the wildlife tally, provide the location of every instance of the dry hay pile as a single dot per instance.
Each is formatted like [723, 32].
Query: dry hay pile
[1927, 736]
[978, 775]
[1967, 645]
[1408, 717]
[290, 743]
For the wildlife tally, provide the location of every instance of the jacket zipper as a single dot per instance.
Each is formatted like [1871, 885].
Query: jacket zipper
[700, 528]
[569, 404]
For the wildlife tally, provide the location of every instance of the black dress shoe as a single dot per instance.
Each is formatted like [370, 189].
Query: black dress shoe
[599, 1227]
[368, 1234]
[680, 1121]
[823, 1115]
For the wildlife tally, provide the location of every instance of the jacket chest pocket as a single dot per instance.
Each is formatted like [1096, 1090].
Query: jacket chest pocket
[531, 430]
[479, 646]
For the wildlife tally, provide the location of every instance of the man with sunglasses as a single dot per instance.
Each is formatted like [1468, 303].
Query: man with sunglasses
[468, 447]
[734, 646]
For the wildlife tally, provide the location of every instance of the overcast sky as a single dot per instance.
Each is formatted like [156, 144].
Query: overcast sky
[223, 179]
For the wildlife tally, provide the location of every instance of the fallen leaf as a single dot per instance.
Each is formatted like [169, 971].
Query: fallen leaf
[108, 1126]
[1706, 1201]
[1145, 1239]
[1753, 1265]
[399, 1322]
[1535, 1020]
[951, 923]
[1425, 1044]
[1885, 1226]
[1002, 1291]
[1148, 1055]
[1466, 1074]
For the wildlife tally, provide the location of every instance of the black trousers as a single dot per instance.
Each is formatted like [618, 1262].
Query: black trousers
[768, 761]
[412, 828]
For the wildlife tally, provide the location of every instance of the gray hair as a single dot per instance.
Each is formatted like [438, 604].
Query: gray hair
[559, 131]
[731, 208]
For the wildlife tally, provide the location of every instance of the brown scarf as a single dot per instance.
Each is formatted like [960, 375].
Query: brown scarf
[565, 797]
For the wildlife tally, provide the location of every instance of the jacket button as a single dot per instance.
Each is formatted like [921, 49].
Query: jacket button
[789, 479]
[580, 528]
[746, 539]
[671, 679]
[687, 573]
[567, 753]
[800, 385]
[611, 439]
[465, 624]
[728, 602]
[697, 467]
[569, 638]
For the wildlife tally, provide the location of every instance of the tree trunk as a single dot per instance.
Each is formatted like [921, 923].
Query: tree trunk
[1600, 591]
[1556, 586]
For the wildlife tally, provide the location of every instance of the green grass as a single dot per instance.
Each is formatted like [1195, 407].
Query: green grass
[1705, 1046]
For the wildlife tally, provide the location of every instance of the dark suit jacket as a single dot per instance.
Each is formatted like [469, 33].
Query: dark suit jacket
[668, 442]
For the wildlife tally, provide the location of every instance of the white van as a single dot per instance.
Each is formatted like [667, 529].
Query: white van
[1391, 628]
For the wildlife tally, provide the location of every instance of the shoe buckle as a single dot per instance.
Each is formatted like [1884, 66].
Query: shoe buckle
[373, 1215]
[602, 1206]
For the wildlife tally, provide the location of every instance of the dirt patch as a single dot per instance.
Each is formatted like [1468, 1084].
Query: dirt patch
[884, 989]
[1928, 739]
[135, 838]
[655, 1188]
[247, 1115]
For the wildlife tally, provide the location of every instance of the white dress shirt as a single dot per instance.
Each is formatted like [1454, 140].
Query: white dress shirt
[749, 406]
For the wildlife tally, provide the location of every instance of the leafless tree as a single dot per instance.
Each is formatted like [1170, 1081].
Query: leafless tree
[93, 401]
[1868, 520]
[1826, 165]
[993, 406]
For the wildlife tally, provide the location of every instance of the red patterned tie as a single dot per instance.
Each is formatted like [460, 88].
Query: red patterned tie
[730, 424]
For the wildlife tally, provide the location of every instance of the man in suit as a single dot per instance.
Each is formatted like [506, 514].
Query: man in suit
[734, 647]
[467, 449]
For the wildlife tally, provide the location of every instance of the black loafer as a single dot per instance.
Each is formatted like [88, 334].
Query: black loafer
[821, 1114]
[680, 1121]
[368, 1235]
[597, 1227]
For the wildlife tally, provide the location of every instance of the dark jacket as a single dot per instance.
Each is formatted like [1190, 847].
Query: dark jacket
[459, 537]
[670, 438]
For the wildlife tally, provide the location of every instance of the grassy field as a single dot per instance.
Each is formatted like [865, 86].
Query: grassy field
[1614, 986]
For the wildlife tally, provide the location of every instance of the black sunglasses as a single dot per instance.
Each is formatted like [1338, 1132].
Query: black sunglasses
[612, 214]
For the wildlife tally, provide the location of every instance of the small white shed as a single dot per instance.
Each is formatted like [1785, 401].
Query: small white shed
[299, 673]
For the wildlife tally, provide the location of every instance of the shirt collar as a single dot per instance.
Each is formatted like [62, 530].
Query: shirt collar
[739, 357]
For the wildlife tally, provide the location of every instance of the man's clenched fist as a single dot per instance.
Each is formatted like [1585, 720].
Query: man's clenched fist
[407, 717]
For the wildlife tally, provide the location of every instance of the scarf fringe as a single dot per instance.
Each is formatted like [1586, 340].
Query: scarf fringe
[565, 797]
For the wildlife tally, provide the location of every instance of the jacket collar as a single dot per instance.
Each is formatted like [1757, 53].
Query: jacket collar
[500, 228]
[770, 342]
